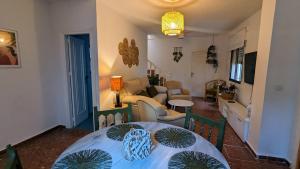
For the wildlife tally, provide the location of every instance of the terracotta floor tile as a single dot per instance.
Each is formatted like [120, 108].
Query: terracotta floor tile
[239, 153]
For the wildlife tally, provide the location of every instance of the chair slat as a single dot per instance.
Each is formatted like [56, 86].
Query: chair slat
[209, 133]
[112, 112]
[202, 128]
[219, 125]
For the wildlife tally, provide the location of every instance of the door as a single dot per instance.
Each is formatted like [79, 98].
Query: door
[77, 53]
[200, 73]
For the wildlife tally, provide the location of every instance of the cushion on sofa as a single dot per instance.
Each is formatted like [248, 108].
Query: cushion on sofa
[175, 91]
[132, 86]
[144, 81]
[161, 98]
[161, 89]
[142, 93]
[152, 91]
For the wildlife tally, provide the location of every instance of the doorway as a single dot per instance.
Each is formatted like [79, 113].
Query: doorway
[79, 79]
[201, 73]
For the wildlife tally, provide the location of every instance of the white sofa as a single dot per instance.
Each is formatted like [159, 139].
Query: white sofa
[131, 87]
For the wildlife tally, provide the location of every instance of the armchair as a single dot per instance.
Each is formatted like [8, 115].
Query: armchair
[212, 89]
[175, 91]
[150, 110]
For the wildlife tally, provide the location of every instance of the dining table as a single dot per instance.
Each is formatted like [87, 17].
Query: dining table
[173, 148]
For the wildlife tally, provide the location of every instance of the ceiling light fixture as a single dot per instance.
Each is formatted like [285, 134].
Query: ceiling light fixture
[172, 23]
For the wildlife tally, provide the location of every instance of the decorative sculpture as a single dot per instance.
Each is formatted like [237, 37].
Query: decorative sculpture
[137, 144]
[130, 54]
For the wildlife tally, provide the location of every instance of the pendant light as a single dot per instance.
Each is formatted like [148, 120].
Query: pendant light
[172, 23]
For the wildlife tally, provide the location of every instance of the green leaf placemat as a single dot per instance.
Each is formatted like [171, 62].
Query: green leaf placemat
[175, 137]
[118, 132]
[91, 159]
[194, 160]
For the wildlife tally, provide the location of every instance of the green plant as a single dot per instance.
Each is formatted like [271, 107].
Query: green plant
[153, 79]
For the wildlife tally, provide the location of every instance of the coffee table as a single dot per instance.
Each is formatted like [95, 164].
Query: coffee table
[180, 103]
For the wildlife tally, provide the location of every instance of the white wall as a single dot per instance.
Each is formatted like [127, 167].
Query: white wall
[273, 130]
[160, 51]
[263, 52]
[295, 136]
[282, 81]
[253, 26]
[70, 17]
[112, 29]
[34, 97]
[23, 100]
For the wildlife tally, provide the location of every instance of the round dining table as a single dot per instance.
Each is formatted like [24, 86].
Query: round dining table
[104, 149]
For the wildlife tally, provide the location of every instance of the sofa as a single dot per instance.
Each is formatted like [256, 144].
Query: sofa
[176, 91]
[132, 87]
[129, 93]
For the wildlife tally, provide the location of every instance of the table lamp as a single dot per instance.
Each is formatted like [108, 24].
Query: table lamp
[117, 85]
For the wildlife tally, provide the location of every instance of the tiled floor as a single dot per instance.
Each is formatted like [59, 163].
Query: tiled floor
[238, 155]
[41, 152]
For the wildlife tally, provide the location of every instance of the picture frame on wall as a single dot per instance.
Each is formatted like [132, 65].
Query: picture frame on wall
[9, 49]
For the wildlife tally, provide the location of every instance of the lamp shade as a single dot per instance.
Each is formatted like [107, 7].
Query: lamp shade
[116, 83]
[172, 23]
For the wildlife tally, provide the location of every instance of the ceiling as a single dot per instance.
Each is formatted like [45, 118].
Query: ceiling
[202, 17]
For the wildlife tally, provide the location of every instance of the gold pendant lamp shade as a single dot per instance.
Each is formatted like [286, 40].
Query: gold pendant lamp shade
[172, 23]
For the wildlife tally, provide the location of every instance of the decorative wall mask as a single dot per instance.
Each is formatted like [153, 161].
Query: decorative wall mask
[130, 54]
[177, 54]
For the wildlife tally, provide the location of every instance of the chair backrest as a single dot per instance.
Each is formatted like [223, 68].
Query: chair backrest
[206, 127]
[113, 112]
[173, 84]
[13, 160]
[146, 111]
[213, 83]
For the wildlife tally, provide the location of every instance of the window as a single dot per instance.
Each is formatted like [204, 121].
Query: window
[236, 65]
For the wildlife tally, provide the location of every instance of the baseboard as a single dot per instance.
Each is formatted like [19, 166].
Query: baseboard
[34, 137]
[283, 161]
[251, 149]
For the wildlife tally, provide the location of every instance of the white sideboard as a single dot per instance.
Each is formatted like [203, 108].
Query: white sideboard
[236, 115]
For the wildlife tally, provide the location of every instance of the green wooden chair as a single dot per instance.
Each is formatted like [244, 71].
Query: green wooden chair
[122, 110]
[206, 123]
[13, 160]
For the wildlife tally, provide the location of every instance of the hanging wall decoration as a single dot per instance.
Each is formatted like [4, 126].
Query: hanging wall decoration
[212, 55]
[177, 54]
[130, 54]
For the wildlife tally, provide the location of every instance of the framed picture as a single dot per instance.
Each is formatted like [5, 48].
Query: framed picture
[9, 49]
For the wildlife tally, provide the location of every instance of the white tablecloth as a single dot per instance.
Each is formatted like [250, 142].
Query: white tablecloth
[158, 158]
